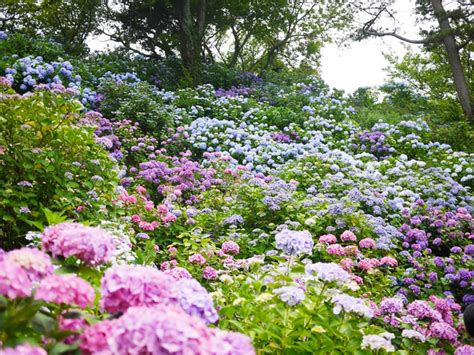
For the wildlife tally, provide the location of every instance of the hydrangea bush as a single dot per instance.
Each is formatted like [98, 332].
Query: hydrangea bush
[225, 220]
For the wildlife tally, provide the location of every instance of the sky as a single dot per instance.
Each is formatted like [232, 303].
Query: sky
[361, 64]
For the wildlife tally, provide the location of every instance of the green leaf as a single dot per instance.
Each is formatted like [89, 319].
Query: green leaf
[43, 324]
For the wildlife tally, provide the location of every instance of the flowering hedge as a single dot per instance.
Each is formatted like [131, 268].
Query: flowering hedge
[257, 218]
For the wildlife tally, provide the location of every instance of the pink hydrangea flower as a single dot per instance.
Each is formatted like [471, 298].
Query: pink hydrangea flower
[165, 265]
[328, 239]
[73, 325]
[464, 350]
[347, 264]
[422, 309]
[159, 330]
[351, 250]
[94, 246]
[367, 243]
[24, 349]
[230, 247]
[14, 281]
[178, 273]
[230, 343]
[94, 338]
[209, 273]
[389, 261]
[368, 264]
[348, 236]
[36, 263]
[134, 285]
[335, 249]
[65, 289]
[358, 280]
[197, 259]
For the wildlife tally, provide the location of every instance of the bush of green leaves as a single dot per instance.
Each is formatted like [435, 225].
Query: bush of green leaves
[139, 102]
[48, 162]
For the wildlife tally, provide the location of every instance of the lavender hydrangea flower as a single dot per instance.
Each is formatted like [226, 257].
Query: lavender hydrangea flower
[346, 303]
[195, 300]
[378, 342]
[327, 272]
[292, 295]
[294, 242]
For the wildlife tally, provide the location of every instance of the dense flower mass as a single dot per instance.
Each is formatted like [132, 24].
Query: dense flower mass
[65, 290]
[129, 286]
[36, 263]
[14, 281]
[169, 330]
[93, 246]
[206, 202]
[23, 350]
[327, 272]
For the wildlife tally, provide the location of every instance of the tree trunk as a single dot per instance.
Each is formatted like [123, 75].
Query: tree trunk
[191, 37]
[454, 59]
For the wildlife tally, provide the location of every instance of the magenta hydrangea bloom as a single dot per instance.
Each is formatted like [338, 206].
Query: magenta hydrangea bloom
[159, 330]
[36, 263]
[367, 243]
[14, 281]
[24, 349]
[389, 261]
[209, 273]
[73, 325]
[178, 273]
[134, 285]
[92, 245]
[230, 247]
[231, 343]
[422, 309]
[94, 338]
[444, 331]
[65, 289]
[197, 259]
[348, 236]
[328, 239]
[464, 350]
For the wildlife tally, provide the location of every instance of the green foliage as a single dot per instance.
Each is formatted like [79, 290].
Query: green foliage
[68, 22]
[19, 45]
[49, 163]
[140, 102]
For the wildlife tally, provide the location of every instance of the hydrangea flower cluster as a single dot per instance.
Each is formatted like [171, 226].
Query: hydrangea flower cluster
[93, 246]
[327, 272]
[128, 286]
[162, 330]
[294, 242]
[292, 295]
[65, 290]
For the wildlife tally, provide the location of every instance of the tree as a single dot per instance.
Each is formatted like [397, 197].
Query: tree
[258, 32]
[163, 28]
[250, 34]
[454, 31]
[68, 22]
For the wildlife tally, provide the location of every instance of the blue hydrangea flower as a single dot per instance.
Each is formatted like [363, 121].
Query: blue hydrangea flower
[294, 242]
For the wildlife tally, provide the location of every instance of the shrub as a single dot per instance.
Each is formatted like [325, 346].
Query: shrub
[48, 162]
[140, 102]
